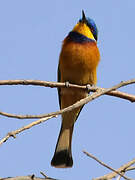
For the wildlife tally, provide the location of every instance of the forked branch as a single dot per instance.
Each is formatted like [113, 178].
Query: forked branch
[97, 93]
[126, 167]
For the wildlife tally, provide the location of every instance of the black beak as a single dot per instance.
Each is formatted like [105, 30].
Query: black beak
[83, 16]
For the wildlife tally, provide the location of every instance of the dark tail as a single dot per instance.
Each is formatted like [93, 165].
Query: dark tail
[63, 156]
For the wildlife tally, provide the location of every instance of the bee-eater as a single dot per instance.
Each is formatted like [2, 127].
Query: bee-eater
[78, 62]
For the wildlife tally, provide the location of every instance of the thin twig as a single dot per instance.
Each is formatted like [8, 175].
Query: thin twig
[95, 95]
[126, 167]
[125, 170]
[81, 102]
[119, 177]
[43, 174]
[14, 133]
[130, 168]
[122, 95]
[29, 177]
[105, 165]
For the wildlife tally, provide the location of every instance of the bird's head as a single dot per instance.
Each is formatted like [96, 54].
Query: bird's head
[87, 27]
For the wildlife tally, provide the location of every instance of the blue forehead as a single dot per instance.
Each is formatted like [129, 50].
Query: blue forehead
[91, 23]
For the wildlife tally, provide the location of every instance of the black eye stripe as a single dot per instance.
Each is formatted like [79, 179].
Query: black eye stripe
[92, 29]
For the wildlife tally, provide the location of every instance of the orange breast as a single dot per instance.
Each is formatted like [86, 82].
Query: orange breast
[78, 62]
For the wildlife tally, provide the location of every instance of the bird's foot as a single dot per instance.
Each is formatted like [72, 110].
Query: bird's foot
[89, 87]
[67, 84]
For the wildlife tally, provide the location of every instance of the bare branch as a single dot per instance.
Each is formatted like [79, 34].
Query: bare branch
[32, 177]
[119, 177]
[43, 174]
[78, 104]
[126, 167]
[63, 85]
[105, 165]
[14, 133]
[130, 168]
[51, 84]
[122, 95]
[46, 177]
[95, 95]
[44, 117]
[124, 171]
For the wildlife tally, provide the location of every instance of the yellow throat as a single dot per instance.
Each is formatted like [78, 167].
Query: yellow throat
[82, 28]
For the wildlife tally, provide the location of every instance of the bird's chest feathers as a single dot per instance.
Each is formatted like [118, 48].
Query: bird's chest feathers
[78, 61]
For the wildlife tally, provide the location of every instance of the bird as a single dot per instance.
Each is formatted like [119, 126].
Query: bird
[78, 61]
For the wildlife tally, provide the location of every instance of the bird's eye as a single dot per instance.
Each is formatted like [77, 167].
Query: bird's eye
[92, 30]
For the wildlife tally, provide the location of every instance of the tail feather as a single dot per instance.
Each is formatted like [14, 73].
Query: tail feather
[63, 156]
[62, 159]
